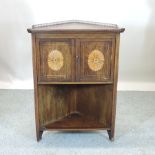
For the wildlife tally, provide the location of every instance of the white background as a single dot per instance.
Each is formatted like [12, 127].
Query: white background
[137, 48]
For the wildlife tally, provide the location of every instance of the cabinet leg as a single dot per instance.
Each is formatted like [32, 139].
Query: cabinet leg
[39, 135]
[111, 135]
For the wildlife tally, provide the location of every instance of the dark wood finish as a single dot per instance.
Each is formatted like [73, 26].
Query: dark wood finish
[66, 72]
[106, 46]
[75, 68]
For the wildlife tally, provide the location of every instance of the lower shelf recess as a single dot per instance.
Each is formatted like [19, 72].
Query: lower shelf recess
[75, 121]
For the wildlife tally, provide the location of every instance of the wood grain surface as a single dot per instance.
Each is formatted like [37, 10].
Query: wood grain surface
[75, 76]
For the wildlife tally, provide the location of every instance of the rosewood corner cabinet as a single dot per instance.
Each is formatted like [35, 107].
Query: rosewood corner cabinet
[75, 66]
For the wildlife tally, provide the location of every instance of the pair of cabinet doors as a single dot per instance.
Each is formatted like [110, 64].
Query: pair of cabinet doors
[76, 60]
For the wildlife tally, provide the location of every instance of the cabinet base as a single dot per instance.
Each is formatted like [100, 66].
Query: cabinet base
[110, 133]
[39, 135]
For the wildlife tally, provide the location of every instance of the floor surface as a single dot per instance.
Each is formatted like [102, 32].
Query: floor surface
[135, 128]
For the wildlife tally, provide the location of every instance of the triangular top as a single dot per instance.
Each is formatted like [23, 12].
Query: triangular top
[75, 25]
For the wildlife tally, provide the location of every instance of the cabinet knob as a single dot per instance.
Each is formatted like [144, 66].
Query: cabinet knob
[77, 58]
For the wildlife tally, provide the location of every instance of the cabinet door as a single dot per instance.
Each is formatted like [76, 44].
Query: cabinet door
[56, 60]
[96, 60]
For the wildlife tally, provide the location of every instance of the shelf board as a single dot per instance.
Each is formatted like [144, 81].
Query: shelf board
[108, 82]
[76, 122]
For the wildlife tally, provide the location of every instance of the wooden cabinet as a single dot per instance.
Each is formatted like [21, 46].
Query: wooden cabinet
[75, 68]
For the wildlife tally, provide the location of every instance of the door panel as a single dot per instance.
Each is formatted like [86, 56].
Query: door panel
[56, 60]
[96, 60]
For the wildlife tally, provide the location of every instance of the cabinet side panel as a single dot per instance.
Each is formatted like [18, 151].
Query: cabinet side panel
[35, 65]
[116, 60]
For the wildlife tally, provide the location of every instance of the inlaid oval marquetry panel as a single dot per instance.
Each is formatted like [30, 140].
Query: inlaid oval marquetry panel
[96, 60]
[55, 60]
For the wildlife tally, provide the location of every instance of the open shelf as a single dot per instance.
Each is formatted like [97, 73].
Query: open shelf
[75, 107]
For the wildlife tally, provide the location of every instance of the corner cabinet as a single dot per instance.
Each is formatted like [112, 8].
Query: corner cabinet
[75, 66]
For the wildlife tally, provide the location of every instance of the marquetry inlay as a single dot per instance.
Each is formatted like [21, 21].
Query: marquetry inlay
[55, 60]
[95, 60]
